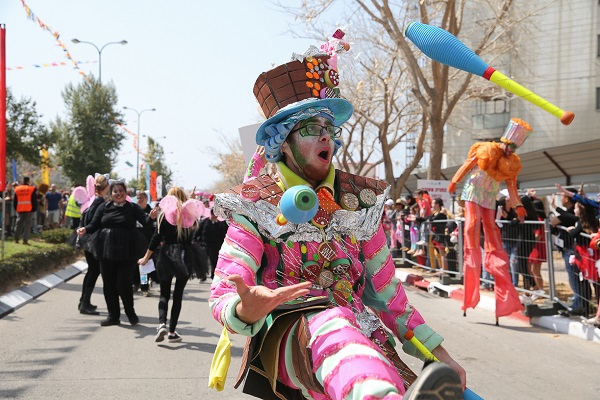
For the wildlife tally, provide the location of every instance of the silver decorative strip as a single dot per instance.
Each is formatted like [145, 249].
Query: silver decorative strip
[363, 224]
[368, 322]
[312, 51]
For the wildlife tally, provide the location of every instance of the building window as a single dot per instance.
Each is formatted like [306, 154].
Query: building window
[598, 98]
[598, 55]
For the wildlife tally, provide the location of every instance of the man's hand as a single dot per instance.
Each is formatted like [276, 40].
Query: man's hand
[563, 191]
[452, 188]
[81, 231]
[258, 301]
[441, 354]
[260, 150]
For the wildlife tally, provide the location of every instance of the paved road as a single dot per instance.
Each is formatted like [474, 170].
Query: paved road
[48, 350]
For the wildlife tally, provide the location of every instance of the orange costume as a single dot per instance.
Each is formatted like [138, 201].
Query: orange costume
[487, 165]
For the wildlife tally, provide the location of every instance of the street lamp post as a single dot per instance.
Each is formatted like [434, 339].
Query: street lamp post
[137, 164]
[77, 41]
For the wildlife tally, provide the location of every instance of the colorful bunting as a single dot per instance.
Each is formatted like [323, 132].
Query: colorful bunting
[45, 65]
[56, 35]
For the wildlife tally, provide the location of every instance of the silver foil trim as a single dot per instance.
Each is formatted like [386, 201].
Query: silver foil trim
[363, 224]
[311, 52]
[368, 322]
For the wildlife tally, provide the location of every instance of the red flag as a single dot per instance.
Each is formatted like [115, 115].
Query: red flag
[2, 107]
[153, 185]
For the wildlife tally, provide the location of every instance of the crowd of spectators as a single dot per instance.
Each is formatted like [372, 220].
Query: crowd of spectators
[50, 209]
[426, 232]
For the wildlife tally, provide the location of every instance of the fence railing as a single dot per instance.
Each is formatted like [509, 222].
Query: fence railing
[539, 269]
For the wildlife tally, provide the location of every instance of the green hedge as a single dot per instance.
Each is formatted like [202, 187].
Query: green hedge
[56, 235]
[34, 263]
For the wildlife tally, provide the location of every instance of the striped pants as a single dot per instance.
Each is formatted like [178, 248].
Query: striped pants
[346, 362]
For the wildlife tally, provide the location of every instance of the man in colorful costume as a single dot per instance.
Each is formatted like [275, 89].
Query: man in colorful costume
[300, 291]
[487, 165]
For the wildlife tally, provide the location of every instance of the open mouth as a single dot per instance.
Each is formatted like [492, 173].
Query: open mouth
[324, 155]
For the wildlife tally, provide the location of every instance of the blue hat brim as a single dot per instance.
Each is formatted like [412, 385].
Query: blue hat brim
[341, 108]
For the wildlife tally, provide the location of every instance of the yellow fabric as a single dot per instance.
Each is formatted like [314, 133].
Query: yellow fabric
[220, 363]
[289, 178]
[45, 169]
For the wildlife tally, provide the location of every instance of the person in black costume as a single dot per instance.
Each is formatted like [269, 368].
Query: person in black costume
[118, 244]
[147, 231]
[211, 235]
[526, 242]
[178, 258]
[93, 271]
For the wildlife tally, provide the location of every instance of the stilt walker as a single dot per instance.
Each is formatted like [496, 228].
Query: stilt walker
[487, 165]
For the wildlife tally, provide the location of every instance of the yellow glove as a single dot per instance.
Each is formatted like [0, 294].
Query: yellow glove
[220, 363]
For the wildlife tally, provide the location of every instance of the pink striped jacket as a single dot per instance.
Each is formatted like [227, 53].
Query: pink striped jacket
[265, 253]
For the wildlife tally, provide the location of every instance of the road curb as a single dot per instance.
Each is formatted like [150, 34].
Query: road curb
[555, 323]
[17, 298]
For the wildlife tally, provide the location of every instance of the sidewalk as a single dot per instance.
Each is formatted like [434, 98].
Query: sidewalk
[417, 277]
[425, 280]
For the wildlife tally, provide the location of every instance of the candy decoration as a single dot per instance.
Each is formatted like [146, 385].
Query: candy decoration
[250, 192]
[340, 266]
[281, 220]
[349, 201]
[332, 79]
[325, 278]
[311, 270]
[339, 298]
[327, 251]
[321, 219]
[343, 286]
[367, 198]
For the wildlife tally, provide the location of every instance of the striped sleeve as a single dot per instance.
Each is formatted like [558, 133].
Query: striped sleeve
[400, 315]
[240, 254]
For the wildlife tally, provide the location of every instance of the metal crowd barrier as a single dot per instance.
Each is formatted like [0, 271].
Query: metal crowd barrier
[519, 239]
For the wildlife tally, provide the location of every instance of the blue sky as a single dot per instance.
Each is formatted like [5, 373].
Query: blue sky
[194, 61]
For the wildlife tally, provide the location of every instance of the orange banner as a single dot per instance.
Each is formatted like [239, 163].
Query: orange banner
[153, 185]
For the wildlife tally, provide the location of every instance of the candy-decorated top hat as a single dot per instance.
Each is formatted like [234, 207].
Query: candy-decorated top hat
[303, 88]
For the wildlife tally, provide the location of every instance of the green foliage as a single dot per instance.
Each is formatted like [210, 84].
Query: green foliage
[88, 139]
[56, 235]
[30, 264]
[155, 157]
[25, 133]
